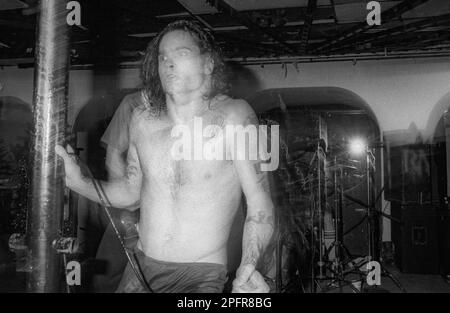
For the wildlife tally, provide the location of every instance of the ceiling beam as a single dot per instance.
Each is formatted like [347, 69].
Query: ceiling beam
[196, 17]
[227, 36]
[250, 43]
[387, 16]
[304, 35]
[240, 27]
[411, 27]
[425, 41]
[141, 13]
[399, 42]
[222, 6]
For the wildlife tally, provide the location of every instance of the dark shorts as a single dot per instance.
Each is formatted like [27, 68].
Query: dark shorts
[174, 277]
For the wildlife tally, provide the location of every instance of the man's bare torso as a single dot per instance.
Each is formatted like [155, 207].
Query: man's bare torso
[187, 206]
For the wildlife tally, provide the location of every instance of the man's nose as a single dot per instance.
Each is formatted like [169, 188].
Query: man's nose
[168, 62]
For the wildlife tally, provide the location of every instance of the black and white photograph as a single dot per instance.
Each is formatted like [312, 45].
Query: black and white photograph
[195, 147]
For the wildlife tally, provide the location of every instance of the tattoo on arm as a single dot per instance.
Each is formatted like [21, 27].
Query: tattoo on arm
[133, 171]
[259, 224]
[258, 230]
[250, 256]
[260, 218]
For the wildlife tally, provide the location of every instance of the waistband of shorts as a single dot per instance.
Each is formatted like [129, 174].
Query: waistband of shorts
[210, 264]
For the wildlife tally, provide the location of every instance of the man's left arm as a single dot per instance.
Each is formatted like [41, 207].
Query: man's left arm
[259, 222]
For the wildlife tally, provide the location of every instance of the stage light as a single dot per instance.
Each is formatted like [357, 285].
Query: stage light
[357, 146]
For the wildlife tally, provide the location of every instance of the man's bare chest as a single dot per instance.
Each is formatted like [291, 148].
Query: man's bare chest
[177, 159]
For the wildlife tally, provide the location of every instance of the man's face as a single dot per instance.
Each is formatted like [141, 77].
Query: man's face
[182, 68]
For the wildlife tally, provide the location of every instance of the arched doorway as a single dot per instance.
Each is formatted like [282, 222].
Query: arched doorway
[317, 126]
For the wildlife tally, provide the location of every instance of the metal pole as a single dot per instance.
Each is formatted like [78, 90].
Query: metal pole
[447, 147]
[369, 206]
[50, 106]
[320, 213]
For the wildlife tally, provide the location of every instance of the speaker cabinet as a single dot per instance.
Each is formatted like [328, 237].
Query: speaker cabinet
[416, 240]
[444, 241]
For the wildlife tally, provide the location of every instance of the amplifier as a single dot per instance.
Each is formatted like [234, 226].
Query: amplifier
[416, 241]
[444, 240]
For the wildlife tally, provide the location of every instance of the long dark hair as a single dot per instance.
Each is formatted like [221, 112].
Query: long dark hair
[152, 88]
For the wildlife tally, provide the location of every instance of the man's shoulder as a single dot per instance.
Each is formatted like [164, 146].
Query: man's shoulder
[127, 105]
[142, 107]
[146, 115]
[133, 100]
[139, 115]
[237, 111]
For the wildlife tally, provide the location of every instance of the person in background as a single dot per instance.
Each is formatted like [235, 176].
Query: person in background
[110, 253]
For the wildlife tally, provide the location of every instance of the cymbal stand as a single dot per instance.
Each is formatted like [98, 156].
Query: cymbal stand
[372, 221]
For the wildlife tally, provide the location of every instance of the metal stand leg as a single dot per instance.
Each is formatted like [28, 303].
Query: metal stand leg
[385, 272]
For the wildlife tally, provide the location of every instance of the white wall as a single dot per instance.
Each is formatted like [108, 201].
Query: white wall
[400, 92]
[83, 85]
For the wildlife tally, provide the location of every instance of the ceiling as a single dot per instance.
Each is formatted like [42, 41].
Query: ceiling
[258, 31]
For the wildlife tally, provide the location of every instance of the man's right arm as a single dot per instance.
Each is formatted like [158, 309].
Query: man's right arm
[121, 192]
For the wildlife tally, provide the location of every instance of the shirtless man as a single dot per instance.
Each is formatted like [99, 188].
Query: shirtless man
[187, 206]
